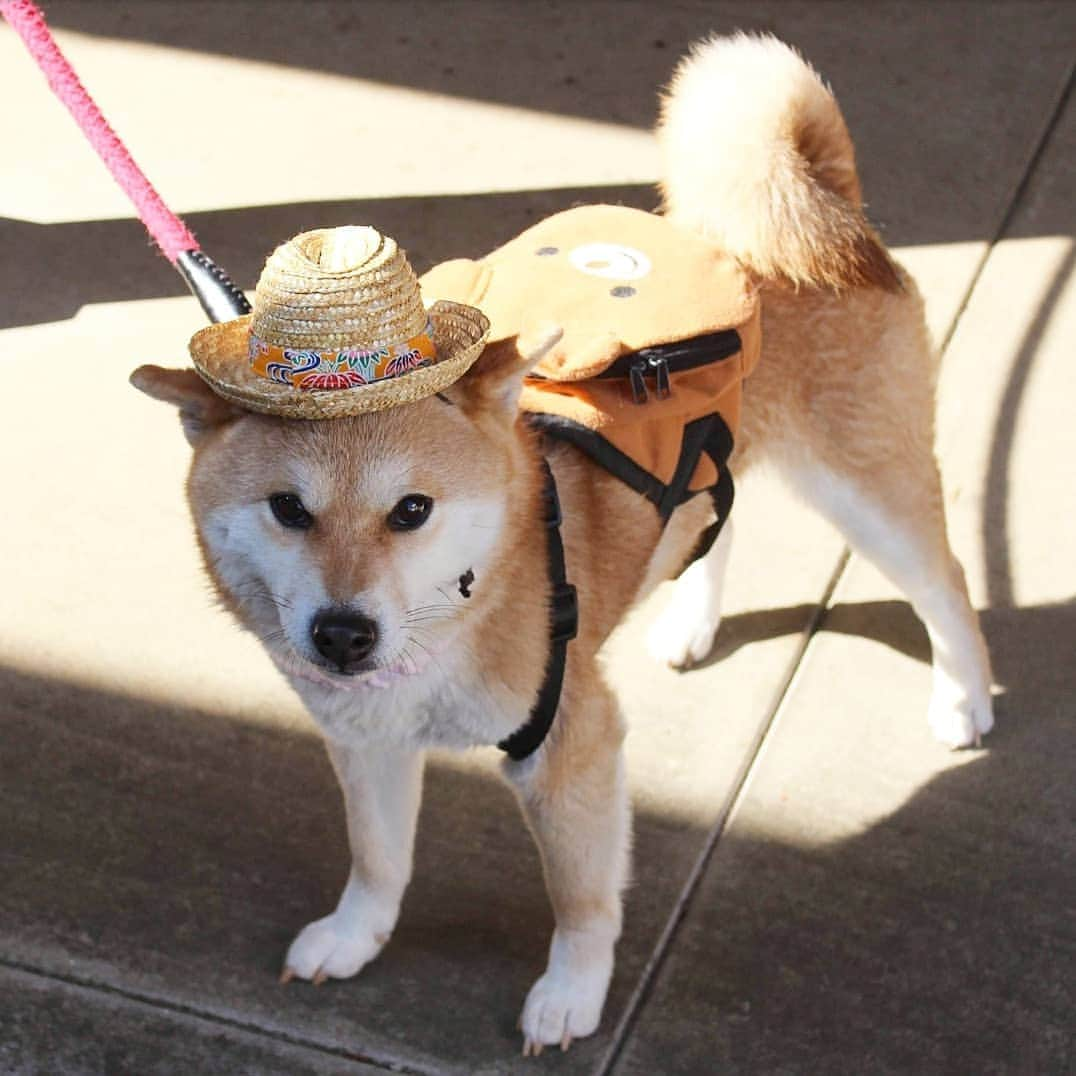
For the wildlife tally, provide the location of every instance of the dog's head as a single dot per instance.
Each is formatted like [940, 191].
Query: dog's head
[351, 546]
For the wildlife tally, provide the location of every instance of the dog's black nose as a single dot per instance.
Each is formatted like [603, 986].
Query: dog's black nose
[342, 637]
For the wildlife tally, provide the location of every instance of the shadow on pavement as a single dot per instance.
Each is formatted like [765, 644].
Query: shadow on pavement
[173, 854]
[66, 266]
[996, 515]
[942, 940]
[528, 56]
[545, 61]
[607, 60]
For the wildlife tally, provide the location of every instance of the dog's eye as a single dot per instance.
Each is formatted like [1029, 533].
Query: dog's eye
[411, 512]
[289, 510]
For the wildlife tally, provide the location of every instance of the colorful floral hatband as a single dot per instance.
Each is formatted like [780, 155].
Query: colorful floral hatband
[307, 368]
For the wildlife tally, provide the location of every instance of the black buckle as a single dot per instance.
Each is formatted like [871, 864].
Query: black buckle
[564, 614]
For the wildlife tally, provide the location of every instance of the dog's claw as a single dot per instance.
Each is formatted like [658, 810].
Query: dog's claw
[286, 976]
[565, 1042]
[319, 978]
[531, 1047]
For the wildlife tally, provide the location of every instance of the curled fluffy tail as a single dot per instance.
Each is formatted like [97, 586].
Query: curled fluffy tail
[758, 158]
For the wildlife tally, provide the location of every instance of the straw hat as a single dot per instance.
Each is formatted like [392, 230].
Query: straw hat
[338, 328]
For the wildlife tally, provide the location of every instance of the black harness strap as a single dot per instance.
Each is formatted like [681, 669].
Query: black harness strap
[563, 624]
[601, 451]
[718, 447]
[696, 436]
[708, 434]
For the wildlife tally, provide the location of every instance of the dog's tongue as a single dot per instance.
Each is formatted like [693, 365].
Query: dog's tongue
[376, 678]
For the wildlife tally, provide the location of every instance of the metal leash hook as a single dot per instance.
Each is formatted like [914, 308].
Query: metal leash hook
[220, 297]
[211, 286]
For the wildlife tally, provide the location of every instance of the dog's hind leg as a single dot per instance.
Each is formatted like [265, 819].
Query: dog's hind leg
[890, 510]
[382, 788]
[684, 631]
[574, 797]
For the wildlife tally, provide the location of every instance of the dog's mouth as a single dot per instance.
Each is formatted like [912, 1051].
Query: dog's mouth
[376, 676]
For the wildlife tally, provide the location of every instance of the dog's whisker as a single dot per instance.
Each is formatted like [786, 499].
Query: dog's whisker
[419, 644]
[429, 653]
[261, 593]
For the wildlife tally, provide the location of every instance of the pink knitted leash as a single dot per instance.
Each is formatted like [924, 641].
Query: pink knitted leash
[220, 298]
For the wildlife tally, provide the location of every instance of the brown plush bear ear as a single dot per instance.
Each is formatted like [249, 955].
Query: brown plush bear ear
[461, 280]
[496, 379]
[200, 409]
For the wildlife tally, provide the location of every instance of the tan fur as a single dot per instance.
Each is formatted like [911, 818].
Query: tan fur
[841, 403]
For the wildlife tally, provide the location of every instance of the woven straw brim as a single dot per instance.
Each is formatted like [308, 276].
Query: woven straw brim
[219, 353]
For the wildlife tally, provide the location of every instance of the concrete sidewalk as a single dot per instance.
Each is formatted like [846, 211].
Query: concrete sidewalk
[819, 887]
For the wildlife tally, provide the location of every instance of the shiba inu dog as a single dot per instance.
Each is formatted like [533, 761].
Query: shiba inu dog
[393, 563]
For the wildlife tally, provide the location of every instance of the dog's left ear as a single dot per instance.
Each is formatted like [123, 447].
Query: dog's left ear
[200, 409]
[496, 379]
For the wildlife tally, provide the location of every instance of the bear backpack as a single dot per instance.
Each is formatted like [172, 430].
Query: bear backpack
[659, 330]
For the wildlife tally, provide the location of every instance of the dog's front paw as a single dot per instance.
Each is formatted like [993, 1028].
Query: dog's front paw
[560, 1009]
[566, 1002]
[335, 947]
[960, 723]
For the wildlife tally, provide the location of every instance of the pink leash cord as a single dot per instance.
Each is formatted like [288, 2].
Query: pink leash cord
[213, 288]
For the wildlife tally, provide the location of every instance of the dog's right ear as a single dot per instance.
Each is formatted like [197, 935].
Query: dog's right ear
[200, 408]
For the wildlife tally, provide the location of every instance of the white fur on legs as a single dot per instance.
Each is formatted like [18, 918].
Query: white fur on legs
[907, 542]
[566, 1002]
[382, 788]
[684, 630]
[961, 707]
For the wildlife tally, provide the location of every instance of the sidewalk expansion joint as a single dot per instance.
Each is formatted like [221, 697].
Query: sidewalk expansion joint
[179, 1008]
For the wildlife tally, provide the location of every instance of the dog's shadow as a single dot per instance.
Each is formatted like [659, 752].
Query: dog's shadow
[894, 624]
[890, 622]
